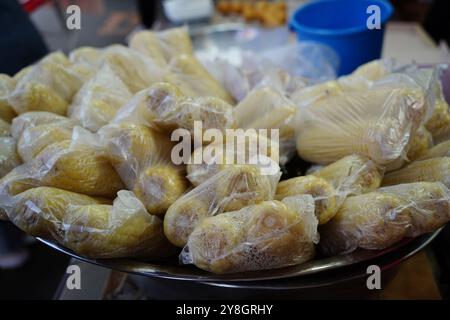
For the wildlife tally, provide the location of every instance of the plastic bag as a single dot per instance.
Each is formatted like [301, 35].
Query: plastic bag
[266, 108]
[36, 118]
[135, 70]
[70, 166]
[165, 107]
[230, 189]
[48, 86]
[186, 72]
[376, 123]
[9, 159]
[327, 199]
[219, 154]
[89, 226]
[440, 150]
[377, 220]
[7, 85]
[269, 235]
[97, 102]
[141, 157]
[352, 175]
[162, 46]
[421, 141]
[436, 169]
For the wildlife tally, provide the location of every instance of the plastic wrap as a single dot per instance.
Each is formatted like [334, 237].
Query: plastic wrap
[9, 159]
[141, 157]
[48, 86]
[439, 122]
[436, 169]
[272, 234]
[230, 189]
[421, 141]
[218, 155]
[440, 150]
[379, 219]
[88, 56]
[376, 123]
[89, 226]
[266, 108]
[36, 118]
[97, 102]
[133, 68]
[5, 128]
[352, 175]
[7, 85]
[70, 166]
[327, 199]
[35, 139]
[162, 46]
[164, 106]
[186, 72]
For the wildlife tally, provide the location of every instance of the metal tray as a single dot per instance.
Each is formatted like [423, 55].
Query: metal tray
[170, 270]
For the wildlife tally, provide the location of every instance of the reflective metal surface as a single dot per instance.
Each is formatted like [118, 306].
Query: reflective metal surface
[175, 272]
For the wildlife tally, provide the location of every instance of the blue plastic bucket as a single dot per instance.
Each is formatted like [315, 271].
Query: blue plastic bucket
[342, 25]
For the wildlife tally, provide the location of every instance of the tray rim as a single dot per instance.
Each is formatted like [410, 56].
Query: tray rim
[191, 273]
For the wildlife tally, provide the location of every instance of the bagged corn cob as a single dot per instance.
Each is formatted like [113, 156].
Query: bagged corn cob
[7, 85]
[421, 142]
[440, 150]
[135, 70]
[265, 108]
[376, 123]
[48, 86]
[379, 219]
[218, 155]
[9, 159]
[164, 106]
[268, 235]
[230, 189]
[97, 102]
[186, 72]
[90, 226]
[327, 200]
[161, 47]
[36, 118]
[352, 175]
[70, 166]
[436, 169]
[141, 157]
[439, 123]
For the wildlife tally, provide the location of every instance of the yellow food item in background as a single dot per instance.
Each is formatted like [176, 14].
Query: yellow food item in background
[7, 85]
[421, 142]
[9, 159]
[440, 150]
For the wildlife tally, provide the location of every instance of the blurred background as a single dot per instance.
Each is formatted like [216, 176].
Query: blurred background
[419, 31]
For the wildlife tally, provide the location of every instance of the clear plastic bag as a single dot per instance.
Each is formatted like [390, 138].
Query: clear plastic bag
[218, 155]
[376, 123]
[352, 175]
[326, 197]
[9, 159]
[90, 226]
[440, 150]
[48, 86]
[7, 85]
[269, 235]
[230, 189]
[377, 220]
[164, 106]
[35, 118]
[70, 166]
[435, 169]
[97, 102]
[266, 108]
[162, 46]
[186, 72]
[141, 157]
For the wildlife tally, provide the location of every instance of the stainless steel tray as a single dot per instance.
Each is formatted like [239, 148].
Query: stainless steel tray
[172, 271]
